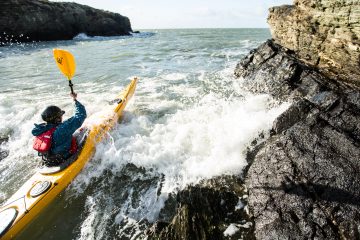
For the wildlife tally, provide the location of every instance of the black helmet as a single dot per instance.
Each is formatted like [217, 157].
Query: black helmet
[51, 114]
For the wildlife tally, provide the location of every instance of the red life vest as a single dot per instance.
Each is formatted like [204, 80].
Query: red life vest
[42, 143]
[73, 146]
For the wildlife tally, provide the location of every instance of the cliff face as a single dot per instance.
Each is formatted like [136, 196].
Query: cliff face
[323, 33]
[303, 182]
[36, 20]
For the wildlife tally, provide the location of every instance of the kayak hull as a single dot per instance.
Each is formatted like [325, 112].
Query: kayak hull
[41, 189]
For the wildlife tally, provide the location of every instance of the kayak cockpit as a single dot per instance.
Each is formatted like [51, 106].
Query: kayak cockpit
[81, 139]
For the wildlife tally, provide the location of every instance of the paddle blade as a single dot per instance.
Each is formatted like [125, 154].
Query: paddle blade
[65, 61]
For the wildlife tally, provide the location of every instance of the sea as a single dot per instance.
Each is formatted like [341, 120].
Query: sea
[189, 120]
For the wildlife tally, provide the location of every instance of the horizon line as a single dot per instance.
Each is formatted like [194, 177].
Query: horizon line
[194, 28]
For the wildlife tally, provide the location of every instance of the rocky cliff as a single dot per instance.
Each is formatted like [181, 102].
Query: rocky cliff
[39, 20]
[303, 182]
[323, 33]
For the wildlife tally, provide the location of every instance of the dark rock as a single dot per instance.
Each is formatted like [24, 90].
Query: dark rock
[37, 20]
[304, 181]
[299, 180]
[325, 99]
[204, 212]
[354, 99]
[156, 228]
[264, 76]
[292, 115]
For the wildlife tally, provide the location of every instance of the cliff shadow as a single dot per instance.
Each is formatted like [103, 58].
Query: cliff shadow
[318, 192]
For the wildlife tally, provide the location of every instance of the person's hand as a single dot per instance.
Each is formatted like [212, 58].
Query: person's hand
[73, 95]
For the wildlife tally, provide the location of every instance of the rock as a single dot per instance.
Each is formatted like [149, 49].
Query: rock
[322, 33]
[325, 99]
[354, 99]
[264, 76]
[4, 152]
[205, 212]
[39, 20]
[303, 182]
[292, 115]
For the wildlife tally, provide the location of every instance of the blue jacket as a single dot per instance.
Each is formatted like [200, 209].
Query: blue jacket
[61, 138]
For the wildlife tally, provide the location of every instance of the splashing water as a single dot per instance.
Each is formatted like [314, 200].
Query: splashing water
[189, 120]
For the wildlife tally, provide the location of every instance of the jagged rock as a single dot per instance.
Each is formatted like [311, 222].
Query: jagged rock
[204, 212]
[264, 76]
[292, 115]
[304, 181]
[323, 33]
[39, 20]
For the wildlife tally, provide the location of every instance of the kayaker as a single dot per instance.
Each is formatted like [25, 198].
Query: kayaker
[62, 142]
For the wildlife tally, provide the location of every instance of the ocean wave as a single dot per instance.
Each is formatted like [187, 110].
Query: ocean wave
[189, 120]
[85, 37]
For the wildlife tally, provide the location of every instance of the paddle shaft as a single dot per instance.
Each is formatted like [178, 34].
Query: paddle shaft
[71, 86]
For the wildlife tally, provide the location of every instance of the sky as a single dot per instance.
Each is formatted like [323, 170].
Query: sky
[160, 14]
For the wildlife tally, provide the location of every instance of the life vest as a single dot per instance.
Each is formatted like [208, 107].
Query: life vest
[73, 146]
[42, 143]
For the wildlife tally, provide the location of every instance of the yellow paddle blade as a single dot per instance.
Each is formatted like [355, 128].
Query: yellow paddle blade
[65, 61]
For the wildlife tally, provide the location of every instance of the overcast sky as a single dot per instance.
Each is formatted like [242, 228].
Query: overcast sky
[155, 14]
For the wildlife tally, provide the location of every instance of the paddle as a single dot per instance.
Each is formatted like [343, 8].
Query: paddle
[66, 63]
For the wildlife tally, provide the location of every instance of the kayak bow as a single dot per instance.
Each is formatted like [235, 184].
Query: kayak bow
[42, 188]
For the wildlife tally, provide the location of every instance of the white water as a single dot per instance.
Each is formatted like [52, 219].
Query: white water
[189, 120]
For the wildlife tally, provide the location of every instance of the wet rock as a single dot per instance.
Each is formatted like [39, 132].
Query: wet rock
[206, 211]
[303, 182]
[264, 76]
[292, 115]
[39, 20]
[354, 99]
[3, 151]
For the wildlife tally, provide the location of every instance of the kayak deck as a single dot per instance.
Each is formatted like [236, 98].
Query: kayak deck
[43, 187]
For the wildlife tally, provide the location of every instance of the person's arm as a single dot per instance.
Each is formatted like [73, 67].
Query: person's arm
[68, 127]
[77, 120]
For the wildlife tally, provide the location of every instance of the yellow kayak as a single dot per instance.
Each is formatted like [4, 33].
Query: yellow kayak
[43, 187]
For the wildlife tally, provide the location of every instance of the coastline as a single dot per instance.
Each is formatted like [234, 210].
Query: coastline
[302, 181]
[56, 21]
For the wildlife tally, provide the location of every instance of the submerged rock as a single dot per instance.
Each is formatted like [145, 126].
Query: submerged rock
[4, 152]
[40, 20]
[304, 180]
